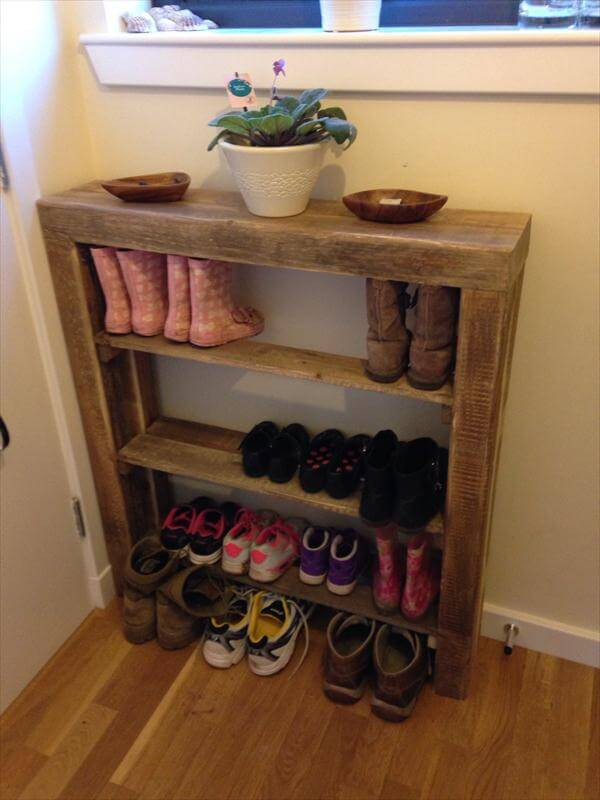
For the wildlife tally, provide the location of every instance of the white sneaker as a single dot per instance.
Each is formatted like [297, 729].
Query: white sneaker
[275, 549]
[235, 558]
[275, 623]
[225, 637]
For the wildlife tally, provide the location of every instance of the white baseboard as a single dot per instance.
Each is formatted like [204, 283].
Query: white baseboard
[543, 635]
[102, 588]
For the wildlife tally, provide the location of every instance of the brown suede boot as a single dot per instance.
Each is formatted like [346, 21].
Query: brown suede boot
[347, 657]
[387, 339]
[185, 602]
[433, 337]
[148, 566]
[400, 661]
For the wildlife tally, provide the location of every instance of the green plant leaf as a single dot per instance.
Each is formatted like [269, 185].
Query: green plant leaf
[273, 125]
[334, 111]
[310, 96]
[352, 135]
[216, 122]
[213, 143]
[288, 102]
[308, 127]
[235, 124]
[338, 129]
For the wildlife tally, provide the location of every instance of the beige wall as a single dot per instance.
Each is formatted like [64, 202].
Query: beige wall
[526, 154]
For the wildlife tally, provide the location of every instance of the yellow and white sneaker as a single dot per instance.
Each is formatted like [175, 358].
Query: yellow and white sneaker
[225, 636]
[275, 623]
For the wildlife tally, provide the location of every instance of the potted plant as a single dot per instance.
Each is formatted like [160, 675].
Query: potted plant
[275, 152]
[350, 15]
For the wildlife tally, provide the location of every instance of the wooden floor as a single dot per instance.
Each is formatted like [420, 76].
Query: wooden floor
[113, 721]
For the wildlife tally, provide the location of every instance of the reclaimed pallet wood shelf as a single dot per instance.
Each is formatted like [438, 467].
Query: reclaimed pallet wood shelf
[210, 454]
[359, 602]
[292, 362]
[133, 449]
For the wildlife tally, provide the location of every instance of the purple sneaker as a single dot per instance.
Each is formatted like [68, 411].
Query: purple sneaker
[314, 555]
[346, 561]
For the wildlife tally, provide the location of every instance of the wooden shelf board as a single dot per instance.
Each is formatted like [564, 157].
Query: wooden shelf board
[279, 360]
[360, 601]
[208, 453]
[467, 249]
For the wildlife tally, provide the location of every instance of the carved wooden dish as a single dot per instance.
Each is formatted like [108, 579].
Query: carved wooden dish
[161, 187]
[414, 206]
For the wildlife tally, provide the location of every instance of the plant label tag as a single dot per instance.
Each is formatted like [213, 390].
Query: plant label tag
[240, 91]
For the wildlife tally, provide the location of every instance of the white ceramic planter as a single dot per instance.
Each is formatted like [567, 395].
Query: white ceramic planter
[350, 15]
[275, 181]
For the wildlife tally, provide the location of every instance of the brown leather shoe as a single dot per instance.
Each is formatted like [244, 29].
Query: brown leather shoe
[400, 660]
[433, 337]
[148, 566]
[347, 657]
[185, 602]
[387, 338]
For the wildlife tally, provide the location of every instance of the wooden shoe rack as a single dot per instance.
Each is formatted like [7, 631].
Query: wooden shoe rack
[133, 449]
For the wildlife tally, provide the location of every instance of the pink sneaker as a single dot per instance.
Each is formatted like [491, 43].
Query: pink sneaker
[177, 326]
[118, 308]
[239, 540]
[275, 549]
[422, 579]
[387, 574]
[215, 318]
[146, 280]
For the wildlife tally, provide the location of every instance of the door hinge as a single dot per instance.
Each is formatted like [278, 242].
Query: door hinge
[78, 517]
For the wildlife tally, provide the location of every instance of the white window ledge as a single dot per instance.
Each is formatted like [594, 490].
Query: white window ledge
[437, 60]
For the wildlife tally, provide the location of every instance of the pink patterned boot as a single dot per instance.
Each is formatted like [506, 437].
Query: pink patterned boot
[387, 575]
[177, 326]
[215, 318]
[118, 309]
[422, 579]
[146, 280]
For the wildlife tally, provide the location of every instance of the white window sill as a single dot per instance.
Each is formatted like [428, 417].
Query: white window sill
[437, 60]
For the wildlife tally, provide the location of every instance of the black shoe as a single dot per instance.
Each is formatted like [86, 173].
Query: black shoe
[175, 531]
[377, 501]
[256, 449]
[323, 448]
[287, 451]
[347, 467]
[420, 469]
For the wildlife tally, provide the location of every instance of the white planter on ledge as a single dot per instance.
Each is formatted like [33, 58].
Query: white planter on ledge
[275, 181]
[350, 15]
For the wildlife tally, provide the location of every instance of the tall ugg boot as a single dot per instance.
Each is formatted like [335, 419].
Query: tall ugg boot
[387, 339]
[422, 579]
[177, 326]
[146, 280]
[433, 337]
[118, 308]
[387, 572]
[215, 317]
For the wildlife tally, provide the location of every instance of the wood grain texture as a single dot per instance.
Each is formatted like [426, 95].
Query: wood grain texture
[207, 453]
[481, 349]
[467, 249]
[291, 362]
[181, 729]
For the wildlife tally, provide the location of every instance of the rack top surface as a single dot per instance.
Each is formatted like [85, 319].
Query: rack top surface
[467, 249]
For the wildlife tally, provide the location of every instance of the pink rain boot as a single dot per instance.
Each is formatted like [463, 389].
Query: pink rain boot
[387, 574]
[177, 326]
[422, 579]
[146, 280]
[215, 318]
[118, 309]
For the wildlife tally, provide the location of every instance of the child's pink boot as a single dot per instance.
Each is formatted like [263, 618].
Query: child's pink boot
[215, 318]
[422, 579]
[177, 326]
[146, 280]
[118, 309]
[387, 574]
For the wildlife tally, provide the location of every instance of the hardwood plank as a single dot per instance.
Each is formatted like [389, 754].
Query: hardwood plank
[471, 249]
[592, 780]
[17, 769]
[113, 791]
[276, 359]
[81, 739]
[360, 601]
[208, 453]
[482, 344]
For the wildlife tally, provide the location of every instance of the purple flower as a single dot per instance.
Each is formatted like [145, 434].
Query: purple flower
[279, 67]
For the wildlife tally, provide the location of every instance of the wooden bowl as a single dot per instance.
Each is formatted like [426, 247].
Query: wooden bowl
[162, 187]
[415, 206]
